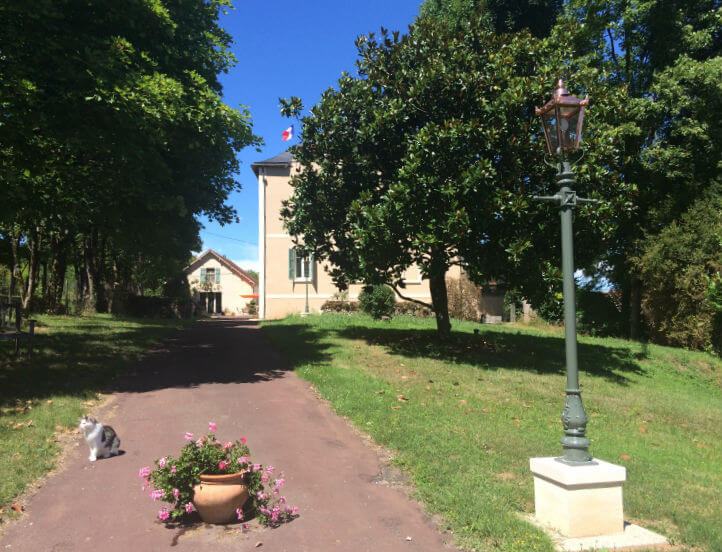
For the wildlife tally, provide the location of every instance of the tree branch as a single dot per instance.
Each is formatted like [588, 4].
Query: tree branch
[611, 43]
[396, 289]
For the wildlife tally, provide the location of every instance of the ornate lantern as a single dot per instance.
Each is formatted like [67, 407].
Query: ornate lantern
[562, 119]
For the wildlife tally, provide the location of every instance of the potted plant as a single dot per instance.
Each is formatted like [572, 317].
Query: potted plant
[219, 480]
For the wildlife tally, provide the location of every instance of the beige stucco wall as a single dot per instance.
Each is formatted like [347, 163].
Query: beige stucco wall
[284, 296]
[231, 287]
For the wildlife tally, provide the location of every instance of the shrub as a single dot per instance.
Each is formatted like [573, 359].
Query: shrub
[407, 308]
[464, 299]
[252, 307]
[344, 307]
[377, 301]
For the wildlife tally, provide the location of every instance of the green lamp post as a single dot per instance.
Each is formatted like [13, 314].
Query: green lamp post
[562, 120]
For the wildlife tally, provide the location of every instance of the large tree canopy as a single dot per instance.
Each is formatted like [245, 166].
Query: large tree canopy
[113, 133]
[431, 155]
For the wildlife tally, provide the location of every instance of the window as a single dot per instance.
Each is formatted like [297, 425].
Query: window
[211, 275]
[300, 267]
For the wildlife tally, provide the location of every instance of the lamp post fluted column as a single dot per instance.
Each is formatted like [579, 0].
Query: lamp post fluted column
[575, 443]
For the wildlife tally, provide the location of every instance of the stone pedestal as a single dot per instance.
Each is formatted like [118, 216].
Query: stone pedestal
[579, 501]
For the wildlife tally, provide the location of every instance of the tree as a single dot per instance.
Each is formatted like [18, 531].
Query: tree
[666, 54]
[430, 157]
[679, 268]
[501, 16]
[114, 137]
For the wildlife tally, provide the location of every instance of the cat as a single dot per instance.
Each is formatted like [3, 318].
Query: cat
[102, 439]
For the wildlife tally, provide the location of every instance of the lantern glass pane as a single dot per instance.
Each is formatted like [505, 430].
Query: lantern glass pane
[550, 130]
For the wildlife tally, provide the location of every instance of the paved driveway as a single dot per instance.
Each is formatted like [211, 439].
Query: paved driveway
[223, 370]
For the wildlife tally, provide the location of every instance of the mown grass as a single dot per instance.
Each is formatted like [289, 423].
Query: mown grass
[75, 358]
[464, 417]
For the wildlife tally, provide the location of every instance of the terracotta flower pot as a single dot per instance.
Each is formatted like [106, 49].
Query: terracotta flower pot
[217, 497]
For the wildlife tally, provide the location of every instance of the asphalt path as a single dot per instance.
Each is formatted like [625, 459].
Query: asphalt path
[224, 371]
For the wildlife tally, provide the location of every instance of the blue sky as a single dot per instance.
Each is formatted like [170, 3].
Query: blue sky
[285, 49]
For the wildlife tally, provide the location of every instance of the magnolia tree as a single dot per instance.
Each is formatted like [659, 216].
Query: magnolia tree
[430, 156]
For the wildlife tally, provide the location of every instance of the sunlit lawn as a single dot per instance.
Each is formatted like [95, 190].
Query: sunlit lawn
[465, 417]
[75, 358]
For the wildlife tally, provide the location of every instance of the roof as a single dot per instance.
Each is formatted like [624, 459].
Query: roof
[230, 265]
[283, 159]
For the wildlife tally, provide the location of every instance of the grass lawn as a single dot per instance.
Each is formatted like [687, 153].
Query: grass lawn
[75, 358]
[465, 417]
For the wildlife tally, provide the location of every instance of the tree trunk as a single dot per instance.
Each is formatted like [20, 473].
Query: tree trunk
[58, 268]
[439, 298]
[15, 273]
[33, 269]
[635, 309]
[89, 275]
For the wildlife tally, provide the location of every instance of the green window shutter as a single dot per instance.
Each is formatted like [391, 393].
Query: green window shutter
[310, 266]
[203, 275]
[218, 275]
[292, 263]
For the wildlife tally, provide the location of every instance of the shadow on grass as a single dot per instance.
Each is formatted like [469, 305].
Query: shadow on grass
[491, 350]
[84, 359]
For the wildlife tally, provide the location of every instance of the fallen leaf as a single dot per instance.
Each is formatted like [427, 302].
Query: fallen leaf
[17, 426]
[428, 388]
[402, 364]
[259, 543]
[49, 401]
[59, 427]
[2, 511]
[653, 444]
[643, 429]
[463, 401]
[20, 409]
[15, 506]
[380, 392]
[409, 538]
[29, 423]
[404, 377]
[402, 398]
[398, 371]
[682, 425]
[701, 445]
[456, 383]
[430, 381]
[397, 407]
[517, 420]
[595, 415]
[625, 457]
[412, 373]
[485, 410]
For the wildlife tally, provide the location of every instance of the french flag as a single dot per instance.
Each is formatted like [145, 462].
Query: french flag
[287, 134]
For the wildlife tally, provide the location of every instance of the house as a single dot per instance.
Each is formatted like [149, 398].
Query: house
[219, 285]
[288, 282]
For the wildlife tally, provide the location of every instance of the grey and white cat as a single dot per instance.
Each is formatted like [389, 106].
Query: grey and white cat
[102, 439]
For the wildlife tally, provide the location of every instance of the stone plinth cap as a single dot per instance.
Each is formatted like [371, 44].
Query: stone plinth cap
[600, 472]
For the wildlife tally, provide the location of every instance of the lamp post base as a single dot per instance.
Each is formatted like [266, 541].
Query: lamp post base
[579, 500]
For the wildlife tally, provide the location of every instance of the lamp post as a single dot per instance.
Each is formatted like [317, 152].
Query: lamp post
[562, 119]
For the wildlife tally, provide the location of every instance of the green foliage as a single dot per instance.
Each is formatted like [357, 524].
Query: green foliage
[112, 151]
[377, 301]
[680, 268]
[433, 152]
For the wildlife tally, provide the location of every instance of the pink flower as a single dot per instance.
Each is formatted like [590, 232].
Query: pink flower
[144, 487]
[264, 478]
[199, 443]
[156, 494]
[261, 495]
[280, 482]
[188, 436]
[245, 527]
[282, 500]
[243, 460]
[212, 426]
[172, 469]
[227, 445]
[189, 508]
[287, 509]
[270, 469]
[176, 492]
[256, 467]
[162, 462]
[275, 490]
[243, 440]
[294, 510]
[222, 465]
[163, 514]
[239, 513]
[144, 472]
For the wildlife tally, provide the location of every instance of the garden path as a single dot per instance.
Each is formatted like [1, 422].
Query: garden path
[225, 371]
